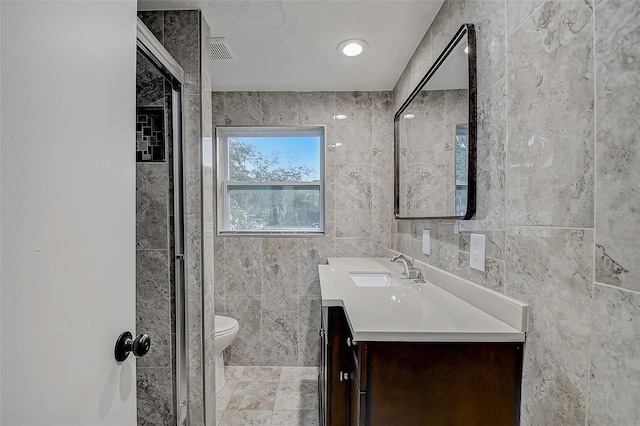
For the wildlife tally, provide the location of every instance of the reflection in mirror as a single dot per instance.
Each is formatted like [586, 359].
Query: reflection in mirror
[435, 138]
[462, 168]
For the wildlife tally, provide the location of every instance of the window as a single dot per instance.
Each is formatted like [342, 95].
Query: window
[270, 180]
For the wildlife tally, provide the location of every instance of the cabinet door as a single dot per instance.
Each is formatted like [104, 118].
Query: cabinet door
[357, 398]
[322, 376]
[470, 384]
[354, 402]
[337, 387]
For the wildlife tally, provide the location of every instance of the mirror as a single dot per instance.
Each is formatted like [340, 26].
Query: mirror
[435, 138]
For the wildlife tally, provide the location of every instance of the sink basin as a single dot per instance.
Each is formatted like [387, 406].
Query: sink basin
[363, 279]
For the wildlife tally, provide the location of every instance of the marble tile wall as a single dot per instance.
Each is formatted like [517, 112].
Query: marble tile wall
[181, 33]
[615, 349]
[270, 285]
[558, 193]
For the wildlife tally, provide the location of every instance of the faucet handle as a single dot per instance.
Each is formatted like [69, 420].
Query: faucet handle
[413, 273]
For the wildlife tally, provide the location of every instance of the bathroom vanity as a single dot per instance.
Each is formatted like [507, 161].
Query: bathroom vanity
[398, 352]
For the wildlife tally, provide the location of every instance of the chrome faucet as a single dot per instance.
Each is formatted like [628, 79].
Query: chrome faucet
[408, 263]
[409, 270]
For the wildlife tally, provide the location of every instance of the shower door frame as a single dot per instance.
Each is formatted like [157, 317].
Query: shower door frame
[149, 46]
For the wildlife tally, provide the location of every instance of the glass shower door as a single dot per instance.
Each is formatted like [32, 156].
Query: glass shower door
[160, 308]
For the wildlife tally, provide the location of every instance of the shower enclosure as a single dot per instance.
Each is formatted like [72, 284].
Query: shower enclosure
[160, 270]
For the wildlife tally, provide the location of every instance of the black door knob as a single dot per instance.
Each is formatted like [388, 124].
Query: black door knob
[126, 344]
[141, 345]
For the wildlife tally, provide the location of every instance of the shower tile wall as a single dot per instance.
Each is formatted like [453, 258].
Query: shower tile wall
[558, 187]
[271, 285]
[181, 33]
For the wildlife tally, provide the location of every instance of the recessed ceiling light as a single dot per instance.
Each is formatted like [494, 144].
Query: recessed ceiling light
[338, 144]
[340, 116]
[408, 116]
[352, 47]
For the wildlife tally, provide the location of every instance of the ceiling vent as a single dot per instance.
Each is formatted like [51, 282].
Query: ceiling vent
[220, 50]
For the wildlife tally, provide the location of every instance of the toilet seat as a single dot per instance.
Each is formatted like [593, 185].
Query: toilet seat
[225, 325]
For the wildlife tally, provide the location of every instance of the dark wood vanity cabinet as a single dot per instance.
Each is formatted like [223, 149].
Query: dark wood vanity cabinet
[402, 383]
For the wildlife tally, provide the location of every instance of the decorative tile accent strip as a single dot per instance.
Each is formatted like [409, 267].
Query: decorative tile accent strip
[150, 134]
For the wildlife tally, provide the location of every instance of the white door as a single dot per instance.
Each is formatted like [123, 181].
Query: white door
[67, 211]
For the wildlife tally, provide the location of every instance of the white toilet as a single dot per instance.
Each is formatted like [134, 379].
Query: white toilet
[226, 330]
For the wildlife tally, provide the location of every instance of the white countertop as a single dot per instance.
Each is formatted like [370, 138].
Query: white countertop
[416, 313]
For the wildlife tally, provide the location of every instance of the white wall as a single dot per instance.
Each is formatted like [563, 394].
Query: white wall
[67, 168]
[0, 213]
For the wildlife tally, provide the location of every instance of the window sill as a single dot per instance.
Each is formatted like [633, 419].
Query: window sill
[276, 234]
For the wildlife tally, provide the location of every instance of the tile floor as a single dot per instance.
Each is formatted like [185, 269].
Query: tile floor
[268, 396]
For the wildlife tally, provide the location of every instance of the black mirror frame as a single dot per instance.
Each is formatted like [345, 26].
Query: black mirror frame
[469, 31]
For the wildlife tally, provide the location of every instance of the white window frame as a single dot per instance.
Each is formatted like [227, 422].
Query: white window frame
[224, 184]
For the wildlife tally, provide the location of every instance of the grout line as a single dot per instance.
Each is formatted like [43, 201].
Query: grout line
[595, 139]
[589, 353]
[568, 228]
[525, 19]
[595, 204]
[154, 368]
[373, 178]
[261, 303]
[298, 290]
[505, 145]
[622, 289]
[499, 80]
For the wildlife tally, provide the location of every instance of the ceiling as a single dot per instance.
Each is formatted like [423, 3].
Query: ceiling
[291, 45]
